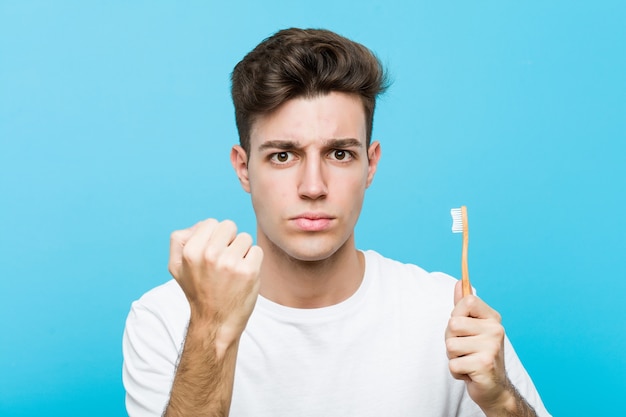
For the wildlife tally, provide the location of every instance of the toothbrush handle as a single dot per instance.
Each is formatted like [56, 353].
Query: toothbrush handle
[467, 288]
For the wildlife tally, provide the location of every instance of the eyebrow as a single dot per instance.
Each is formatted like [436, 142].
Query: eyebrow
[330, 143]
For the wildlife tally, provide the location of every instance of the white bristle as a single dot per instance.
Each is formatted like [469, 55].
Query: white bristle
[457, 220]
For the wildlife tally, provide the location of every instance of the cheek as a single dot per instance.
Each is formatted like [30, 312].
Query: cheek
[353, 182]
[268, 192]
[350, 190]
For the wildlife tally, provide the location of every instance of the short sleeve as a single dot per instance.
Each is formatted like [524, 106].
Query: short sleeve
[521, 380]
[151, 344]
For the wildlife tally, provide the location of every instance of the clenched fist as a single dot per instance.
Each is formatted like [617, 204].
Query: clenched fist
[218, 270]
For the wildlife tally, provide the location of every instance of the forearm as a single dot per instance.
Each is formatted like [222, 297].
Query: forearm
[512, 404]
[204, 377]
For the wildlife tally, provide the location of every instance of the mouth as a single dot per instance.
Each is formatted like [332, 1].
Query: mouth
[312, 222]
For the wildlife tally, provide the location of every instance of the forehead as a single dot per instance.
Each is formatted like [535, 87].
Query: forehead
[311, 120]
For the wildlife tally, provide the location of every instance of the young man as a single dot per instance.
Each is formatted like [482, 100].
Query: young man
[303, 323]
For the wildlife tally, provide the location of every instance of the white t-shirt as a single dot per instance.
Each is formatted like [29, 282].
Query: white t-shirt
[380, 352]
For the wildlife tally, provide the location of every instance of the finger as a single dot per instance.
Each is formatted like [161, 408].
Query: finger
[462, 367]
[255, 256]
[462, 326]
[458, 369]
[178, 239]
[458, 292]
[197, 242]
[221, 238]
[240, 246]
[224, 234]
[489, 344]
[472, 306]
[241, 250]
[482, 368]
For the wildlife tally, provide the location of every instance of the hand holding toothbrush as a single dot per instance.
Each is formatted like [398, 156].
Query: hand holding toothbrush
[475, 347]
[475, 344]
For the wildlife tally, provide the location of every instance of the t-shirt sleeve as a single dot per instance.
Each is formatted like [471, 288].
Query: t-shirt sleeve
[150, 353]
[521, 380]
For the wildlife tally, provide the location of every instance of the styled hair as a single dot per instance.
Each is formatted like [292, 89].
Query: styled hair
[303, 63]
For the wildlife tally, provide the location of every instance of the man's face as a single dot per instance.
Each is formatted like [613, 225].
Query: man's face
[307, 173]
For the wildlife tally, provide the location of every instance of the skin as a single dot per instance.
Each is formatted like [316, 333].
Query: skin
[475, 347]
[307, 173]
[218, 271]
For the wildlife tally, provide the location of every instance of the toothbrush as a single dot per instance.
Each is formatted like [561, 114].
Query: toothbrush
[460, 225]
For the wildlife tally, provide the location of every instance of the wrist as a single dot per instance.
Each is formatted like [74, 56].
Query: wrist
[505, 405]
[509, 403]
[212, 336]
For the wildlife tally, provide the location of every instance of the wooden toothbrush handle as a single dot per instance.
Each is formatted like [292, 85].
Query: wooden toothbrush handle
[467, 287]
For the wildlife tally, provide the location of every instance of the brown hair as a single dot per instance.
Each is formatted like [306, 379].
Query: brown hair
[303, 63]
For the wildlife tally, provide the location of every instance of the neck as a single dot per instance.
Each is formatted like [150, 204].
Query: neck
[311, 284]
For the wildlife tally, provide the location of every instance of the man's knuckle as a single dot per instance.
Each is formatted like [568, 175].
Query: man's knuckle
[485, 361]
[250, 274]
[454, 367]
[211, 255]
[229, 226]
[495, 348]
[241, 269]
[189, 256]
[499, 332]
[176, 236]
[245, 238]
[454, 324]
[451, 344]
[471, 301]
[498, 317]
[226, 265]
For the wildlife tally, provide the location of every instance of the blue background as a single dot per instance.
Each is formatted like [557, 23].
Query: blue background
[115, 129]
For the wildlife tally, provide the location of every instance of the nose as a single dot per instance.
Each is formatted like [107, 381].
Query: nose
[312, 184]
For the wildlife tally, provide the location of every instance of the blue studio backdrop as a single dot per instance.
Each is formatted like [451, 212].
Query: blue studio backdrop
[116, 125]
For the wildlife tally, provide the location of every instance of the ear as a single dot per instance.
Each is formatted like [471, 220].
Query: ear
[239, 160]
[373, 155]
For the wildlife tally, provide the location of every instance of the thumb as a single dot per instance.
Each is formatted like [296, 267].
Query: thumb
[458, 292]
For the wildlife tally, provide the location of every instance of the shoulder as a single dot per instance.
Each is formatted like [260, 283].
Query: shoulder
[153, 336]
[165, 292]
[165, 304]
[409, 281]
[392, 270]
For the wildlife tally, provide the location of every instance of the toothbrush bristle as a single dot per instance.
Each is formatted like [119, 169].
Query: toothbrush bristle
[457, 220]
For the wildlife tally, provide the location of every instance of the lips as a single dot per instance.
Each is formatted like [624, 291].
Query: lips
[312, 222]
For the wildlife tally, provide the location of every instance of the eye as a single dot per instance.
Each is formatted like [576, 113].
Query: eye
[340, 155]
[281, 157]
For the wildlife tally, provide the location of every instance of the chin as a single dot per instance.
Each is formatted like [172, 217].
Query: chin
[310, 257]
[311, 251]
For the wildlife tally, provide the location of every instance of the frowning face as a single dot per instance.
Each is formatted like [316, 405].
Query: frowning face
[307, 173]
